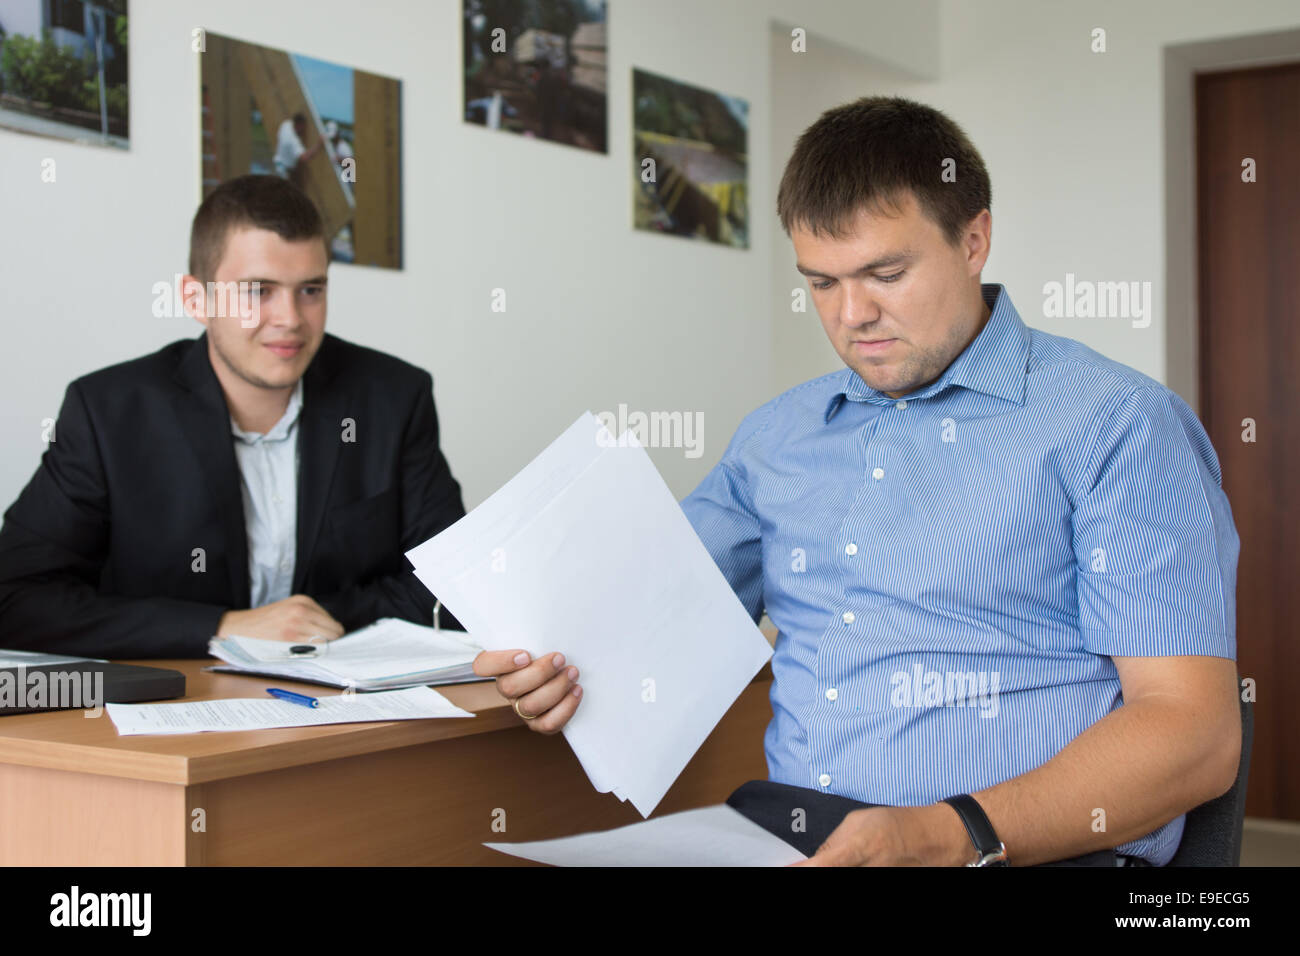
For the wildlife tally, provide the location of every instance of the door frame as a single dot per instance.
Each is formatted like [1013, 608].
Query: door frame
[1182, 61]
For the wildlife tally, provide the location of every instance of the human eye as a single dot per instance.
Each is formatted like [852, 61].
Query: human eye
[314, 291]
[825, 284]
[893, 277]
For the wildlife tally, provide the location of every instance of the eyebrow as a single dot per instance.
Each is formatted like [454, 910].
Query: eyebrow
[317, 280]
[893, 259]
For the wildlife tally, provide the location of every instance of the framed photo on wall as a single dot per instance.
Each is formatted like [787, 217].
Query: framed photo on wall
[537, 69]
[333, 130]
[690, 149]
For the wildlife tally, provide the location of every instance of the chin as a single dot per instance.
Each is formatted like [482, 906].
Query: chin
[279, 377]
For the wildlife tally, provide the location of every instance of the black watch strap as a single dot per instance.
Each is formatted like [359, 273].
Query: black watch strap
[990, 849]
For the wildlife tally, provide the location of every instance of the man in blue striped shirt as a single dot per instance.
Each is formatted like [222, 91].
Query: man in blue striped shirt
[1002, 565]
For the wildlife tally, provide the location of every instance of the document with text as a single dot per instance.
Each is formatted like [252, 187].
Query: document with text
[252, 713]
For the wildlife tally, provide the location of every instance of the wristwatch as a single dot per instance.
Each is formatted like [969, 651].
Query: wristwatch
[991, 850]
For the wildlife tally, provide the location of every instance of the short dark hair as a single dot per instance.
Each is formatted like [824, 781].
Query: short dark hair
[262, 202]
[867, 154]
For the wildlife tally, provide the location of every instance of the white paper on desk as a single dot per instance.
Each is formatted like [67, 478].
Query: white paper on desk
[388, 647]
[586, 552]
[242, 713]
[710, 836]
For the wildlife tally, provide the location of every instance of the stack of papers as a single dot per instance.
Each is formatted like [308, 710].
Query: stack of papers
[387, 655]
[587, 553]
[711, 836]
[192, 717]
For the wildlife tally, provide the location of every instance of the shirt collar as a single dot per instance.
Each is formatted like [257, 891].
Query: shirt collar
[993, 363]
[281, 428]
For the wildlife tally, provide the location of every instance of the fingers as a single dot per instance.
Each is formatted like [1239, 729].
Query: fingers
[296, 618]
[308, 604]
[495, 663]
[323, 625]
[312, 619]
[545, 687]
[523, 680]
[548, 695]
[556, 717]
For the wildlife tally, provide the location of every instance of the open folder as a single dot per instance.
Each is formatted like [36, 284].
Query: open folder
[586, 552]
[388, 655]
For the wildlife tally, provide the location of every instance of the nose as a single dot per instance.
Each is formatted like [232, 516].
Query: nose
[858, 306]
[281, 309]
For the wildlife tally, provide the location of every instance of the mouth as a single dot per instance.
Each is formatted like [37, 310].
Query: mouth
[285, 349]
[873, 347]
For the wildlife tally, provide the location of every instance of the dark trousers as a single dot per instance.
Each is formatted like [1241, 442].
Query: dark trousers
[772, 805]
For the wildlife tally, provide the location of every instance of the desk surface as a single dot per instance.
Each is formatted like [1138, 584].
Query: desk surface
[69, 740]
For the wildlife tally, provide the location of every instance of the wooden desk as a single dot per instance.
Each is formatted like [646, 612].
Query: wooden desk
[74, 793]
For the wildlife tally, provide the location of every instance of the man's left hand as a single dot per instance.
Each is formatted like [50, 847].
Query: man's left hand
[896, 836]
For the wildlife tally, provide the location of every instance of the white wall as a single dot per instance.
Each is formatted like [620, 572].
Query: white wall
[1074, 144]
[803, 86]
[598, 314]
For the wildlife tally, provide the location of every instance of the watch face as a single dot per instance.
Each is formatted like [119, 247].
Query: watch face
[996, 857]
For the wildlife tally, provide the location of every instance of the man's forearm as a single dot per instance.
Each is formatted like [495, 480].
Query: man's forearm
[1126, 775]
[70, 617]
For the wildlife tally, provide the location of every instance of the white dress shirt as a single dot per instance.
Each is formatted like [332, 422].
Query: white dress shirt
[268, 465]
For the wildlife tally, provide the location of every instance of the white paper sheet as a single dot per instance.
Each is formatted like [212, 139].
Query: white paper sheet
[586, 552]
[386, 649]
[710, 836]
[191, 717]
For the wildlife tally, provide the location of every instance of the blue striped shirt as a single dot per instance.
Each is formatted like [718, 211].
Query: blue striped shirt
[951, 572]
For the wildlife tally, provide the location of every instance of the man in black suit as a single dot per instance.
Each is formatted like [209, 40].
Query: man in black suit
[264, 479]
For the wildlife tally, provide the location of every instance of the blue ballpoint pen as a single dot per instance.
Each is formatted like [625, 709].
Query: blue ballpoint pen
[293, 698]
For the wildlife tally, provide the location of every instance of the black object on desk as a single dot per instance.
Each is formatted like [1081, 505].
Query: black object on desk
[58, 682]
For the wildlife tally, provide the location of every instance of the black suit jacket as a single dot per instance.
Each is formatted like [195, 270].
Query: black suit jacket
[98, 554]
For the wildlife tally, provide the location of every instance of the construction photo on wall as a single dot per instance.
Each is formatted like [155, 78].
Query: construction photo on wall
[537, 68]
[691, 167]
[63, 70]
[334, 131]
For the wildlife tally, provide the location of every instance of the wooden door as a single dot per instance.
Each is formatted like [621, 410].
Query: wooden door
[1248, 247]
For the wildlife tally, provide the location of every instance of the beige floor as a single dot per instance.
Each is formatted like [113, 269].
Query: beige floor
[1270, 843]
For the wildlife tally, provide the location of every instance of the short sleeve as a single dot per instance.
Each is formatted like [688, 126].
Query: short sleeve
[721, 510]
[1154, 540]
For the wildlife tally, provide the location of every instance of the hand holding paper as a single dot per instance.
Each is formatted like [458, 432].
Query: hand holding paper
[586, 551]
[545, 691]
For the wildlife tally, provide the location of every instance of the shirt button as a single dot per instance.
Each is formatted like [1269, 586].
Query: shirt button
[878, 473]
[901, 404]
[285, 565]
[278, 500]
[831, 693]
[847, 617]
[850, 548]
[824, 780]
